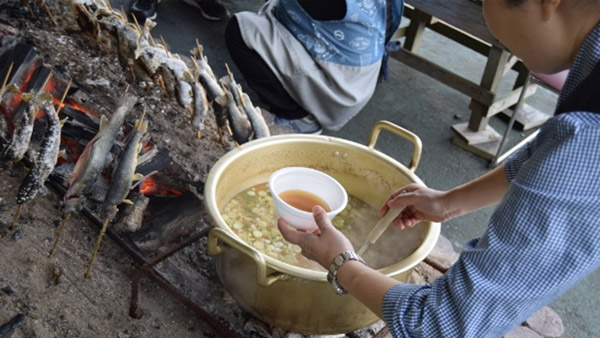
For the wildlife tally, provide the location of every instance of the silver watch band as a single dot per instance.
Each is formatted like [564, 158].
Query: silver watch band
[338, 261]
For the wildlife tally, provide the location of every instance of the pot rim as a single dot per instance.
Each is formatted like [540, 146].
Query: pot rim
[215, 214]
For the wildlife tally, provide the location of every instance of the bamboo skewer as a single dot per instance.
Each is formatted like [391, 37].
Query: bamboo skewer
[47, 9]
[165, 45]
[162, 84]
[6, 79]
[62, 100]
[60, 231]
[45, 84]
[137, 24]
[16, 217]
[96, 247]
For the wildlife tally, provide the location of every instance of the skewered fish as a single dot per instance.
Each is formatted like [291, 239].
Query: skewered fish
[201, 108]
[124, 173]
[259, 125]
[47, 156]
[229, 83]
[220, 115]
[205, 75]
[121, 182]
[93, 159]
[14, 150]
[240, 125]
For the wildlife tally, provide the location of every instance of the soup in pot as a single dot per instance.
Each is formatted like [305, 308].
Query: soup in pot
[251, 215]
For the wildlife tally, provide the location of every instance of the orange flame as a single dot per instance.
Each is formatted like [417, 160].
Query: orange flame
[151, 187]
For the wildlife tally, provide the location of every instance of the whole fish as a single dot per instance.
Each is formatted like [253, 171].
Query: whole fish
[200, 108]
[46, 158]
[168, 79]
[124, 173]
[205, 75]
[14, 150]
[93, 159]
[229, 83]
[259, 125]
[220, 115]
[185, 95]
[240, 125]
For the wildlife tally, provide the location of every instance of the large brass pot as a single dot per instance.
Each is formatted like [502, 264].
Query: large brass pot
[296, 298]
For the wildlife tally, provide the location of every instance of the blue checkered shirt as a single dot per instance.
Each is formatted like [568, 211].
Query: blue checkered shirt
[543, 237]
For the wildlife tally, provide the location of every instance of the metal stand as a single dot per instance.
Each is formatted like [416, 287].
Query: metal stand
[499, 156]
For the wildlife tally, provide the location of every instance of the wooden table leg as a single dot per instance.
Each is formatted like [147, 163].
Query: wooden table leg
[414, 33]
[493, 73]
[476, 135]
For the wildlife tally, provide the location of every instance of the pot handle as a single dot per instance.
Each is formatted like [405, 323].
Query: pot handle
[410, 136]
[214, 249]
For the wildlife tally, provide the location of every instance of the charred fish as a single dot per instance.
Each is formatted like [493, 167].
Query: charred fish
[46, 158]
[14, 150]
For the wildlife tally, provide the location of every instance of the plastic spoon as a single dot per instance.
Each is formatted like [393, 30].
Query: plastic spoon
[379, 229]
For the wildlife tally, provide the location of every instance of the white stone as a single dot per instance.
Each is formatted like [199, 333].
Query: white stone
[546, 322]
[416, 278]
[443, 252]
[522, 332]
[428, 273]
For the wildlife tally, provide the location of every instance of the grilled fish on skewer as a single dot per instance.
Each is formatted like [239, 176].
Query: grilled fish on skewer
[229, 83]
[205, 75]
[121, 182]
[220, 115]
[259, 125]
[240, 125]
[14, 150]
[200, 109]
[46, 158]
[92, 161]
[185, 95]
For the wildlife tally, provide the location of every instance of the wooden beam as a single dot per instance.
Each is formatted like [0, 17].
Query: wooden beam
[445, 76]
[510, 100]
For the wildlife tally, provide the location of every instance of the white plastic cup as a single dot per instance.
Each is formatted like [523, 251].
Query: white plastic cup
[311, 181]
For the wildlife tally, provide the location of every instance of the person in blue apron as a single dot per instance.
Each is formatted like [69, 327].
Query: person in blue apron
[544, 234]
[313, 64]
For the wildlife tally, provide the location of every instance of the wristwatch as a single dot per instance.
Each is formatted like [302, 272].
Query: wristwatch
[338, 261]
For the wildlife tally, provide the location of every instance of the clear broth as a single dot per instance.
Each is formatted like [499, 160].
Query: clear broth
[303, 200]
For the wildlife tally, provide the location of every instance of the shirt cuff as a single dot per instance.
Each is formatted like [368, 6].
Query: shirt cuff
[395, 306]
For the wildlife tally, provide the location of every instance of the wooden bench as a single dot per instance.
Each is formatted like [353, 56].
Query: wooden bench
[463, 22]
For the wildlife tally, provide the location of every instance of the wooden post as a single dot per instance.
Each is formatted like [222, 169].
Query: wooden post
[492, 75]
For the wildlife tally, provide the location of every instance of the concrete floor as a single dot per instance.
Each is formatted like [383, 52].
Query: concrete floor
[418, 103]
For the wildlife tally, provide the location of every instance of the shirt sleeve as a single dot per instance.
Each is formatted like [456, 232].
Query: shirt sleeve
[541, 240]
[515, 161]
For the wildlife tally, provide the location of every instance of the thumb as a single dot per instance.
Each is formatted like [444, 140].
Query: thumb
[401, 200]
[321, 219]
